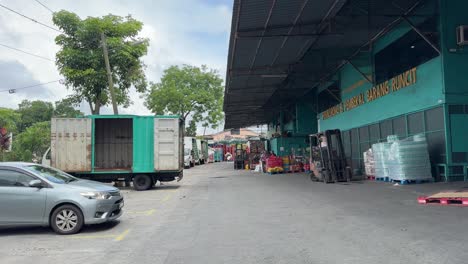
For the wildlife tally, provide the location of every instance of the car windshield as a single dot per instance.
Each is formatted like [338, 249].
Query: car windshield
[51, 174]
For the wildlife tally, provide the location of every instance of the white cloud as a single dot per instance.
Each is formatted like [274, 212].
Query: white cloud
[181, 32]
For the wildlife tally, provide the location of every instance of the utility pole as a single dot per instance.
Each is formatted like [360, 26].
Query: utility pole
[109, 73]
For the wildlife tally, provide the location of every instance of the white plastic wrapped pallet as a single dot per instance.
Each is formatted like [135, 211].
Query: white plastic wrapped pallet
[369, 163]
[380, 151]
[408, 159]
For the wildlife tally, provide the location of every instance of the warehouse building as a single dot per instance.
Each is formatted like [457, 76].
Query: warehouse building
[371, 68]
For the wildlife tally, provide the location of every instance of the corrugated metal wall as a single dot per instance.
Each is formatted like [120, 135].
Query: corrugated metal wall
[71, 144]
[430, 122]
[143, 142]
[168, 144]
[113, 143]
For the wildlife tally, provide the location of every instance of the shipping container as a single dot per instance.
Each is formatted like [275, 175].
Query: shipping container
[142, 149]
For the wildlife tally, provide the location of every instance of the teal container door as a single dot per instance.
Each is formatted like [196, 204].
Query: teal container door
[143, 143]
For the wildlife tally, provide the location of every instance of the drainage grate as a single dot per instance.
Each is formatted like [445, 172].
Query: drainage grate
[218, 177]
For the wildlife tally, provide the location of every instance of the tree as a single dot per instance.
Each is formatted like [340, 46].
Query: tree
[32, 143]
[189, 90]
[32, 112]
[9, 119]
[81, 60]
[191, 129]
[64, 108]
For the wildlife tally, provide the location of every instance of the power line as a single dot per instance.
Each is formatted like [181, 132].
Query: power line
[44, 6]
[27, 87]
[32, 19]
[25, 52]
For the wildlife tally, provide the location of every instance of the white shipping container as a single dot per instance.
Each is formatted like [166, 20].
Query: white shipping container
[168, 144]
[71, 144]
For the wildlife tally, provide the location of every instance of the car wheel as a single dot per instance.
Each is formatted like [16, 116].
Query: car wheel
[142, 182]
[67, 220]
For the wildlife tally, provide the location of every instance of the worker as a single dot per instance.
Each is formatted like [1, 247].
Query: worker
[323, 141]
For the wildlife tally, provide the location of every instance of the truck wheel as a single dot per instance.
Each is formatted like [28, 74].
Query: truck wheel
[142, 182]
[66, 220]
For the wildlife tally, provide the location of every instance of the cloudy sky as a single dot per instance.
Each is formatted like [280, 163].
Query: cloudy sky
[192, 32]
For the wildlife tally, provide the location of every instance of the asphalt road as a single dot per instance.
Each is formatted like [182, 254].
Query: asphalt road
[218, 215]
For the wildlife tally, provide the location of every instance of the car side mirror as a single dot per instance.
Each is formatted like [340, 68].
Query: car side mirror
[35, 184]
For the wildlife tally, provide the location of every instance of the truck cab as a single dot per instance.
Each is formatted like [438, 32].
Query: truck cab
[188, 158]
[191, 145]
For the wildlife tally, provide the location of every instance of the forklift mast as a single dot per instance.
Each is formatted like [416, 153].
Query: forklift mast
[328, 159]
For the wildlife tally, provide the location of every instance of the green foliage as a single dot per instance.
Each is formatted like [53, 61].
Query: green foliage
[191, 129]
[64, 108]
[9, 119]
[32, 112]
[81, 60]
[189, 90]
[30, 125]
[32, 143]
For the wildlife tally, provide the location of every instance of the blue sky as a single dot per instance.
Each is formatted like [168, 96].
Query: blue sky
[192, 32]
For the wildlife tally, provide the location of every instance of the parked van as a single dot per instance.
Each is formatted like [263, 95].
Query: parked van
[189, 153]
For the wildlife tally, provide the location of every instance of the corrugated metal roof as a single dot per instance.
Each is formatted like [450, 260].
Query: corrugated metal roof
[299, 42]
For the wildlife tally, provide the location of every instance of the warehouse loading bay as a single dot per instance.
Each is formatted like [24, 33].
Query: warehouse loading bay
[387, 77]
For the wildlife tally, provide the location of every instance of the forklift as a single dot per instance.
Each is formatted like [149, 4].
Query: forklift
[240, 156]
[327, 158]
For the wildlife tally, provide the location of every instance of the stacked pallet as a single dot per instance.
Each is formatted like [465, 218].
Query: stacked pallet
[408, 159]
[369, 164]
[403, 161]
[380, 154]
[446, 198]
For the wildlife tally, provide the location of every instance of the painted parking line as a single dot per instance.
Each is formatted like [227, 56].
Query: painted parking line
[150, 212]
[147, 212]
[122, 236]
[166, 198]
[169, 195]
[92, 236]
[116, 237]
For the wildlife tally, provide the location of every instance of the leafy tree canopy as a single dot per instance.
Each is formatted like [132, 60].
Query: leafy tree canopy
[32, 112]
[191, 129]
[81, 60]
[9, 119]
[30, 125]
[64, 108]
[189, 90]
[32, 143]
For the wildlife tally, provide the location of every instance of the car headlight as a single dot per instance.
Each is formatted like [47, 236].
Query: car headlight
[96, 195]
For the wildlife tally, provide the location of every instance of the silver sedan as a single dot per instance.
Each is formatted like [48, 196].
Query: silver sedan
[33, 194]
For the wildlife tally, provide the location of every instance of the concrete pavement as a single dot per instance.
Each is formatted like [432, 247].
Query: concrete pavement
[218, 215]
